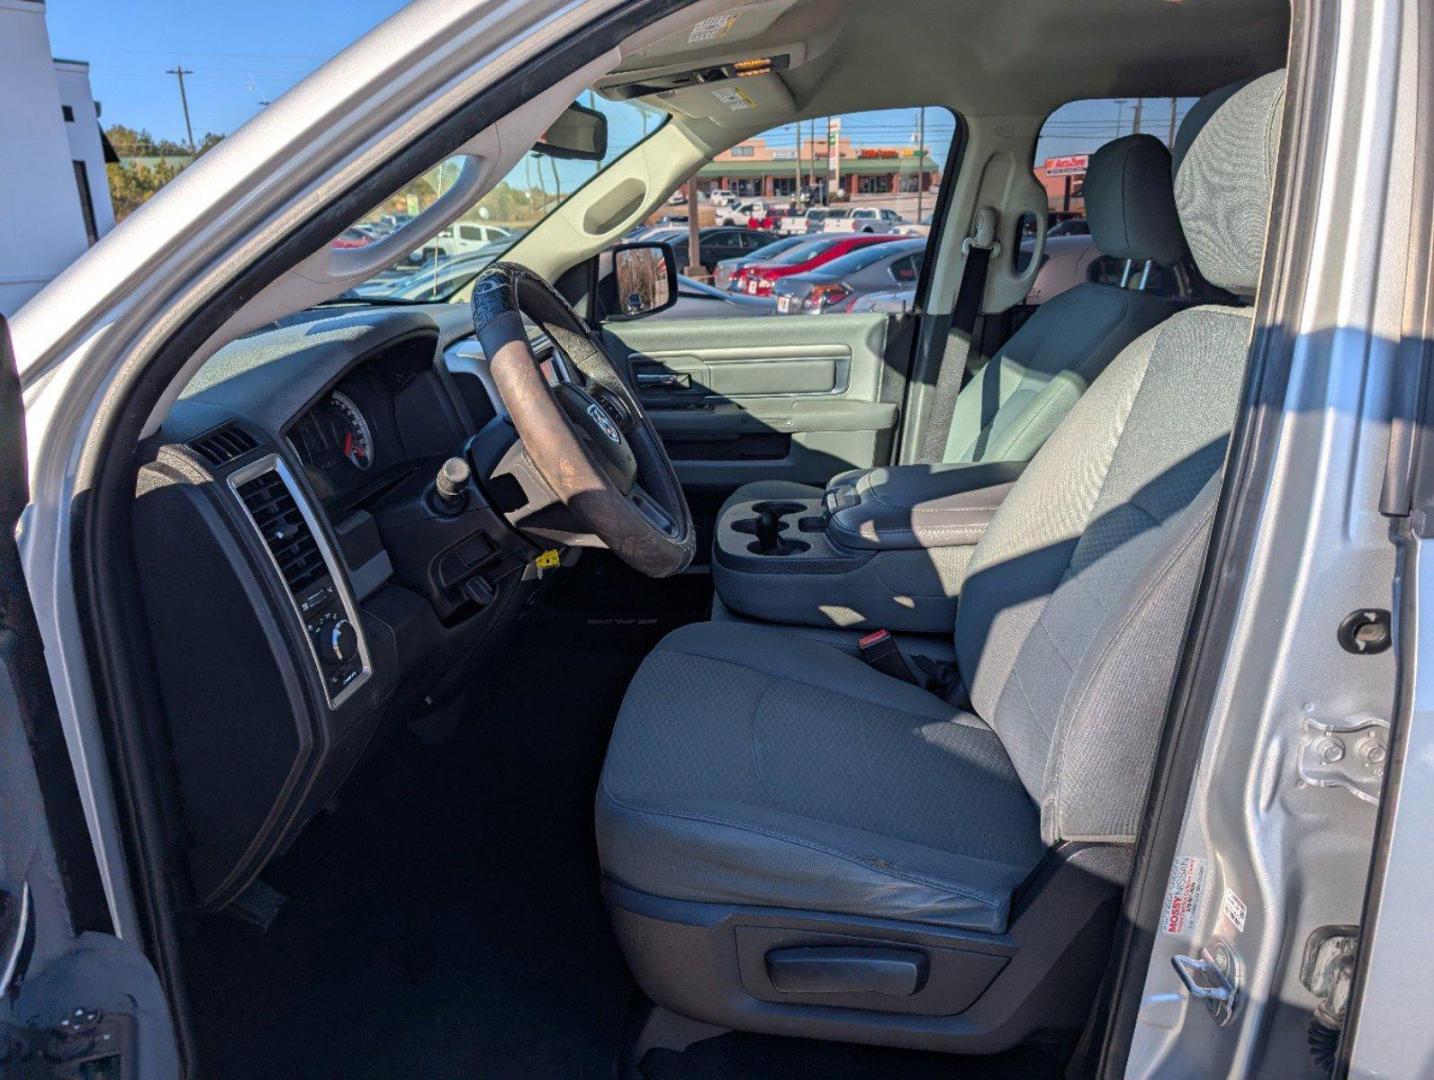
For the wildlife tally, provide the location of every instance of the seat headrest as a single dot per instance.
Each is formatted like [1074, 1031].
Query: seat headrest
[1129, 201]
[1224, 177]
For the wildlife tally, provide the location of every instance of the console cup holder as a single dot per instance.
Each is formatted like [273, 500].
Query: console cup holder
[768, 527]
[780, 547]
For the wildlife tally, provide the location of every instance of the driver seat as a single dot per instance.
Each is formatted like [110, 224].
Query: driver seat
[795, 842]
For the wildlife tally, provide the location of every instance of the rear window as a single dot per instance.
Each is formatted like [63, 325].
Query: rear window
[863, 257]
[814, 247]
[776, 247]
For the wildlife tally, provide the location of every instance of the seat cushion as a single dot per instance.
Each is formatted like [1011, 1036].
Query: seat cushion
[753, 766]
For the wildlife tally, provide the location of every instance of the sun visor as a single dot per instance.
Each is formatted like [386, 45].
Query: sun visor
[731, 100]
[711, 32]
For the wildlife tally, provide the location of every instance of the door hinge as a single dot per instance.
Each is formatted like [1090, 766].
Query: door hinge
[1351, 754]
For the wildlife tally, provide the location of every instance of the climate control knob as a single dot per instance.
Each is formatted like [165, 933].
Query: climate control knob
[336, 640]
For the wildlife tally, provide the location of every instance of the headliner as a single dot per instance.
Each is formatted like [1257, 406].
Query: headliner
[1014, 57]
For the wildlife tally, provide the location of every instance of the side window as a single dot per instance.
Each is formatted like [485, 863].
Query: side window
[789, 193]
[1067, 140]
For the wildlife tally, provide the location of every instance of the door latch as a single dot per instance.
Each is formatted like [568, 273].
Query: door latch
[1212, 977]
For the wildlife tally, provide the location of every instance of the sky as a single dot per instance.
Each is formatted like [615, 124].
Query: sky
[246, 52]
[242, 53]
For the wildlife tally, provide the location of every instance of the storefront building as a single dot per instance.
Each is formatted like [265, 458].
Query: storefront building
[752, 170]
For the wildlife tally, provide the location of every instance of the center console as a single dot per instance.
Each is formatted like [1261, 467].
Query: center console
[878, 548]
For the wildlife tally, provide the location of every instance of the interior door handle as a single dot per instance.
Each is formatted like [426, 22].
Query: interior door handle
[17, 934]
[666, 380]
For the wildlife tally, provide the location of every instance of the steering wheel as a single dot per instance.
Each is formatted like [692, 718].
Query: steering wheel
[588, 437]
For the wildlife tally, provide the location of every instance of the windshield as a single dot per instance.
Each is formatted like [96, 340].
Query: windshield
[538, 185]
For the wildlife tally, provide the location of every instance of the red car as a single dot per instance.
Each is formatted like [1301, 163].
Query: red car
[758, 279]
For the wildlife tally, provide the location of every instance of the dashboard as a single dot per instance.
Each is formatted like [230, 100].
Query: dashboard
[301, 579]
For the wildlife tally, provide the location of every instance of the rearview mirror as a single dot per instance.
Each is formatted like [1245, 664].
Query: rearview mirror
[646, 280]
[580, 134]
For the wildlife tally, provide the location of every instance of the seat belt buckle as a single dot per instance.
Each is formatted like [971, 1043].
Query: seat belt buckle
[878, 650]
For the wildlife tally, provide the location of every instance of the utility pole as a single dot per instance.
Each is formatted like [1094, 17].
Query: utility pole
[1135, 124]
[1170, 139]
[179, 71]
[695, 269]
[1119, 116]
[920, 163]
[796, 191]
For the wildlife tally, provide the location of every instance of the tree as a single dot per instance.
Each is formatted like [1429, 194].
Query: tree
[131, 187]
[138, 142]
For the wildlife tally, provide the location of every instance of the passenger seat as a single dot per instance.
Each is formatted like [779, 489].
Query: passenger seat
[1011, 406]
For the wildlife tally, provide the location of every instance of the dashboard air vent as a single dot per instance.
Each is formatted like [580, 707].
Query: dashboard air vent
[284, 529]
[223, 446]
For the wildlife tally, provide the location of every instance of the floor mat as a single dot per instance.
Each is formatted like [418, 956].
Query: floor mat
[769, 1057]
[445, 921]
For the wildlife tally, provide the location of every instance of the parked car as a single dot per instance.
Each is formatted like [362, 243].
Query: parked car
[460, 238]
[721, 197]
[735, 213]
[863, 219]
[698, 300]
[834, 285]
[352, 237]
[432, 283]
[758, 280]
[724, 273]
[716, 243]
[1076, 226]
[890, 301]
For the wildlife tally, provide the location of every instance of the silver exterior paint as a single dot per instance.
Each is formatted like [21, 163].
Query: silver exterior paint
[1394, 1037]
[1297, 855]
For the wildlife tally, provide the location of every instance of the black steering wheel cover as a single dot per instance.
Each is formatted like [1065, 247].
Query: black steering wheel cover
[502, 294]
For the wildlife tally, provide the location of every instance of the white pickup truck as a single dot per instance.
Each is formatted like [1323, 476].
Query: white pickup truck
[861, 219]
[460, 238]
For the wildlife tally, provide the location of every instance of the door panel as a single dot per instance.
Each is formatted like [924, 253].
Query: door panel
[71, 993]
[767, 397]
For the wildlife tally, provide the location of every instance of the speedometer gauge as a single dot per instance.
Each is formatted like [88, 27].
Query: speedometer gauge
[355, 441]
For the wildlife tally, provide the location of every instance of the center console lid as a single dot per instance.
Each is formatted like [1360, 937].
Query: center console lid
[917, 506]
[884, 547]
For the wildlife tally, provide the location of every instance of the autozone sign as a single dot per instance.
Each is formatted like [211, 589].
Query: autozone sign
[1071, 165]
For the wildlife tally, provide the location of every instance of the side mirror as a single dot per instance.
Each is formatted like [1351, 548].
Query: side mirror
[645, 276]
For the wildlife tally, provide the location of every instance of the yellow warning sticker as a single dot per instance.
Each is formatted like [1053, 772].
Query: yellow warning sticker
[713, 28]
[733, 98]
[548, 559]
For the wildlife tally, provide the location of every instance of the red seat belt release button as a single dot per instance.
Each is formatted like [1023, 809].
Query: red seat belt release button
[878, 650]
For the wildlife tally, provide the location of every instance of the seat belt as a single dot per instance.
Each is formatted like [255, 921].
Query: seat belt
[979, 247]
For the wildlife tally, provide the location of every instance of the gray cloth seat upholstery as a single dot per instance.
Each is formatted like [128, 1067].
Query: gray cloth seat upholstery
[800, 775]
[753, 766]
[1017, 398]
